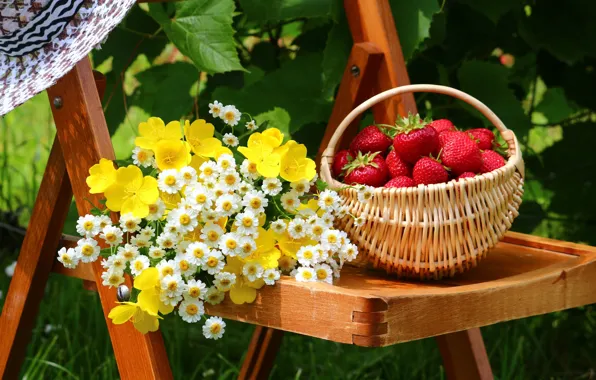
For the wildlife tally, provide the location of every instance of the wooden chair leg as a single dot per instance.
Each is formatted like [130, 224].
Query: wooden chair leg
[34, 264]
[261, 354]
[464, 355]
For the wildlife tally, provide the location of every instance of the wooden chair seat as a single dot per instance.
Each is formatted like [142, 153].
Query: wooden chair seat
[522, 276]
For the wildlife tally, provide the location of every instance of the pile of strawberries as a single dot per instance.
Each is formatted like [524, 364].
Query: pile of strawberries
[415, 152]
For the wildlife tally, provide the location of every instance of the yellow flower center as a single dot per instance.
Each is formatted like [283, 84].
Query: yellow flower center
[187, 176]
[227, 205]
[230, 179]
[201, 198]
[141, 243]
[184, 219]
[212, 262]
[255, 203]
[231, 244]
[142, 156]
[215, 328]
[130, 224]
[300, 188]
[328, 201]
[208, 171]
[219, 192]
[127, 254]
[229, 116]
[247, 222]
[167, 271]
[290, 202]
[284, 262]
[252, 270]
[317, 230]
[225, 281]
[194, 292]
[252, 168]
[87, 250]
[306, 275]
[298, 228]
[225, 164]
[88, 225]
[118, 263]
[198, 253]
[213, 297]
[102, 224]
[153, 209]
[67, 259]
[332, 239]
[114, 279]
[212, 236]
[308, 255]
[247, 248]
[111, 237]
[272, 186]
[138, 265]
[192, 309]
[168, 244]
[321, 274]
[172, 286]
[184, 265]
[170, 180]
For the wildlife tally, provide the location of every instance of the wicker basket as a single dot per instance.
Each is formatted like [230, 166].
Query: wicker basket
[435, 230]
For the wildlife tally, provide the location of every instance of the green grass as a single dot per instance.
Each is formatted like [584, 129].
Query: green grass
[77, 346]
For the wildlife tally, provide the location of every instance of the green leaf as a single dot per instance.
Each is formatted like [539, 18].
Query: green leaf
[555, 106]
[165, 90]
[276, 118]
[413, 20]
[278, 10]
[202, 30]
[321, 185]
[492, 9]
[336, 55]
[488, 82]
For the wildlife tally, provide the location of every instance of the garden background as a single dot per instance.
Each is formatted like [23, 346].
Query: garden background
[532, 62]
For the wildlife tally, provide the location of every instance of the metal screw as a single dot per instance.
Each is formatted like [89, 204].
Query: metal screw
[355, 70]
[58, 102]
[123, 293]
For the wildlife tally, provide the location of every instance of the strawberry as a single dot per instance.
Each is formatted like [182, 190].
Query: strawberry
[414, 139]
[485, 138]
[367, 169]
[428, 170]
[370, 139]
[341, 159]
[401, 181]
[466, 175]
[491, 160]
[397, 166]
[461, 154]
[448, 135]
[442, 125]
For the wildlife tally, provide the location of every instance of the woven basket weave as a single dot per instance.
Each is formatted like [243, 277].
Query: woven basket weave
[434, 230]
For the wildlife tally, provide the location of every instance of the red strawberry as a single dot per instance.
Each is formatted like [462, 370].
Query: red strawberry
[448, 135]
[397, 166]
[428, 170]
[401, 181]
[370, 139]
[466, 175]
[367, 169]
[491, 160]
[442, 125]
[461, 154]
[485, 138]
[341, 159]
[414, 139]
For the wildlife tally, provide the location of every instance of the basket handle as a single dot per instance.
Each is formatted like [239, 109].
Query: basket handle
[507, 134]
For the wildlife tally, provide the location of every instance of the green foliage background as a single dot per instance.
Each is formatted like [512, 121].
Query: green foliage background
[282, 60]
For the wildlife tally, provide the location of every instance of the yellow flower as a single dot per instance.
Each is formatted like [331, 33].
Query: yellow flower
[289, 246]
[171, 154]
[313, 205]
[131, 192]
[266, 253]
[101, 176]
[259, 150]
[199, 135]
[275, 134]
[153, 130]
[222, 150]
[294, 165]
[148, 283]
[143, 320]
[196, 162]
[243, 291]
[170, 200]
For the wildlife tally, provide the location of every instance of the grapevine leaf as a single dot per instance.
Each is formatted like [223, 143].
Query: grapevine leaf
[555, 106]
[413, 20]
[335, 55]
[276, 118]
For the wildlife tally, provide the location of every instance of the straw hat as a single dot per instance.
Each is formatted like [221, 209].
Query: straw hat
[41, 41]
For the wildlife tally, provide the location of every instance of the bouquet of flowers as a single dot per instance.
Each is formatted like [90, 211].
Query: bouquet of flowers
[202, 217]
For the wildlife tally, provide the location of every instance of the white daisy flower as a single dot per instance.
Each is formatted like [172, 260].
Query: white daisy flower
[128, 252]
[229, 180]
[138, 265]
[244, 187]
[279, 226]
[196, 251]
[286, 263]
[215, 108]
[68, 257]
[195, 289]
[246, 246]
[147, 232]
[214, 296]
[246, 222]
[214, 262]
[359, 221]
[316, 229]
[188, 175]
[328, 219]
[249, 170]
[308, 255]
[324, 273]
[200, 197]
[156, 253]
[182, 246]
[172, 285]
[112, 235]
[104, 221]
[140, 241]
[336, 268]
[220, 190]
[228, 243]
[290, 201]
[256, 201]
[227, 204]
[341, 212]
[170, 300]
[112, 278]
[143, 157]
[214, 328]
[270, 276]
[230, 139]
[305, 274]
[88, 250]
[349, 252]
[300, 187]
[191, 310]
[252, 271]
[185, 265]
[211, 233]
[184, 219]
[365, 193]
[166, 268]
[297, 228]
[209, 216]
[209, 171]
[230, 115]
[329, 200]
[115, 261]
[331, 240]
[224, 281]
[88, 226]
[251, 125]
[156, 210]
[170, 181]
[129, 223]
[271, 186]
[167, 240]
[226, 162]
[173, 229]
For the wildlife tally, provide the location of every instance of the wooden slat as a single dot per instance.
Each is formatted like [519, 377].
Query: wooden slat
[34, 264]
[464, 355]
[84, 138]
[261, 354]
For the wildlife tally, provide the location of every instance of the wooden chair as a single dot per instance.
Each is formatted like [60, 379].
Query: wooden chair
[522, 276]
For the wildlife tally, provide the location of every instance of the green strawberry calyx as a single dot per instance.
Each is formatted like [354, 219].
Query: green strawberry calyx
[360, 161]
